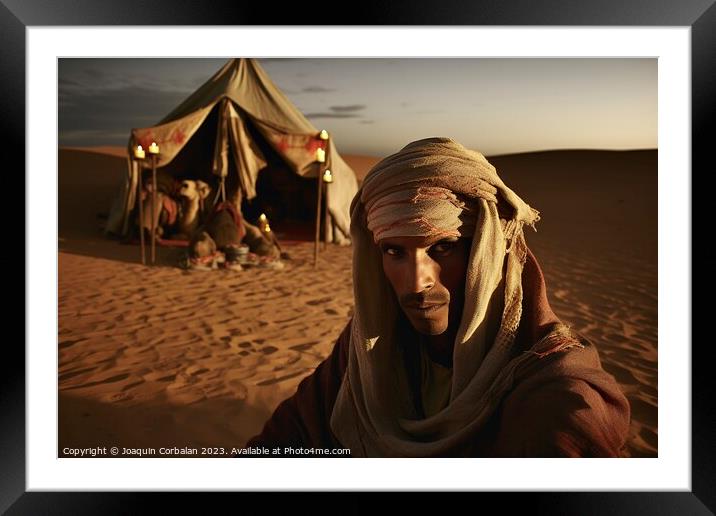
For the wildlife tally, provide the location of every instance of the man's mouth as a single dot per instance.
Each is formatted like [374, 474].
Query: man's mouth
[427, 308]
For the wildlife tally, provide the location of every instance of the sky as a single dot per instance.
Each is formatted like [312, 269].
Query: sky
[376, 106]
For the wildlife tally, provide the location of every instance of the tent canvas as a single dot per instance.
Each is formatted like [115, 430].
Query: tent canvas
[236, 129]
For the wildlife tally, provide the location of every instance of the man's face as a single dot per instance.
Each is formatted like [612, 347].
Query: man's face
[428, 277]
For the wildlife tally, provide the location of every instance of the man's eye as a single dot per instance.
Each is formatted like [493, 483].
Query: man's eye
[443, 247]
[390, 250]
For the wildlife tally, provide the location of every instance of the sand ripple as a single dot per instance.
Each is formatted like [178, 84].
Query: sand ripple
[137, 336]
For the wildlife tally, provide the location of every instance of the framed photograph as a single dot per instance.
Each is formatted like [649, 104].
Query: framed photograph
[649, 75]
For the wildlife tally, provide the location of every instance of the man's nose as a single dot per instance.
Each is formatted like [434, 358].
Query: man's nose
[421, 273]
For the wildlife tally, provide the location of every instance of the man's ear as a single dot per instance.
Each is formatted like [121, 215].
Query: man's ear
[203, 189]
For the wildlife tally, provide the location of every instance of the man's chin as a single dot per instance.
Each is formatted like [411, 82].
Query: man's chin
[428, 326]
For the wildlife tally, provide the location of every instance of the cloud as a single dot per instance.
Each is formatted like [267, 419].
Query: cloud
[64, 82]
[316, 89]
[331, 115]
[107, 116]
[427, 112]
[344, 109]
[200, 79]
[90, 81]
[94, 73]
[92, 137]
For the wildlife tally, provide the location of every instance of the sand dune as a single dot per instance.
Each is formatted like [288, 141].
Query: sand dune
[597, 242]
[158, 356]
[360, 164]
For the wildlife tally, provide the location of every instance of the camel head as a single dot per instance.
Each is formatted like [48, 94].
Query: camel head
[194, 190]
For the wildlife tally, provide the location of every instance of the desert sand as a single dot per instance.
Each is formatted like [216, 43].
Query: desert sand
[157, 356]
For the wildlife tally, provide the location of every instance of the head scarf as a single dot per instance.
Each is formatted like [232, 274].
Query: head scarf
[420, 211]
[431, 186]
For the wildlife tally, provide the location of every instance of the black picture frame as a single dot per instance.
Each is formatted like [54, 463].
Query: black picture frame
[699, 15]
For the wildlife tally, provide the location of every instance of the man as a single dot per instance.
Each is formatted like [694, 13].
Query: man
[453, 349]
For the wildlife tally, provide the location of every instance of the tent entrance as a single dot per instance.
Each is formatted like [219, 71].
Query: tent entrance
[287, 199]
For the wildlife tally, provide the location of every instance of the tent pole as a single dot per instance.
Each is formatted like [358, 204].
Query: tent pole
[318, 214]
[325, 218]
[154, 204]
[141, 212]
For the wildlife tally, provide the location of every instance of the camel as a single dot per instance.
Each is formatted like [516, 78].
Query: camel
[217, 241]
[193, 193]
[164, 212]
[226, 232]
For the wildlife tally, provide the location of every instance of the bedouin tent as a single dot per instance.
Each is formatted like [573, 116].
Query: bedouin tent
[237, 127]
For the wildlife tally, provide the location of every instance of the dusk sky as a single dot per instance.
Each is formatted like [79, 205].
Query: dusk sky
[376, 106]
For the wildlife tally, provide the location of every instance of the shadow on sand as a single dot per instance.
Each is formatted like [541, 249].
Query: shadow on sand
[212, 423]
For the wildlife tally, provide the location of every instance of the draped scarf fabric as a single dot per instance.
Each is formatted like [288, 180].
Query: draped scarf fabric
[434, 186]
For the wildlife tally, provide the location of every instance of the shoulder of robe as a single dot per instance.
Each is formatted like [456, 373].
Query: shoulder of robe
[567, 406]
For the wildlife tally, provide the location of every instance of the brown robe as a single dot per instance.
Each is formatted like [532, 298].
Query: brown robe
[564, 406]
